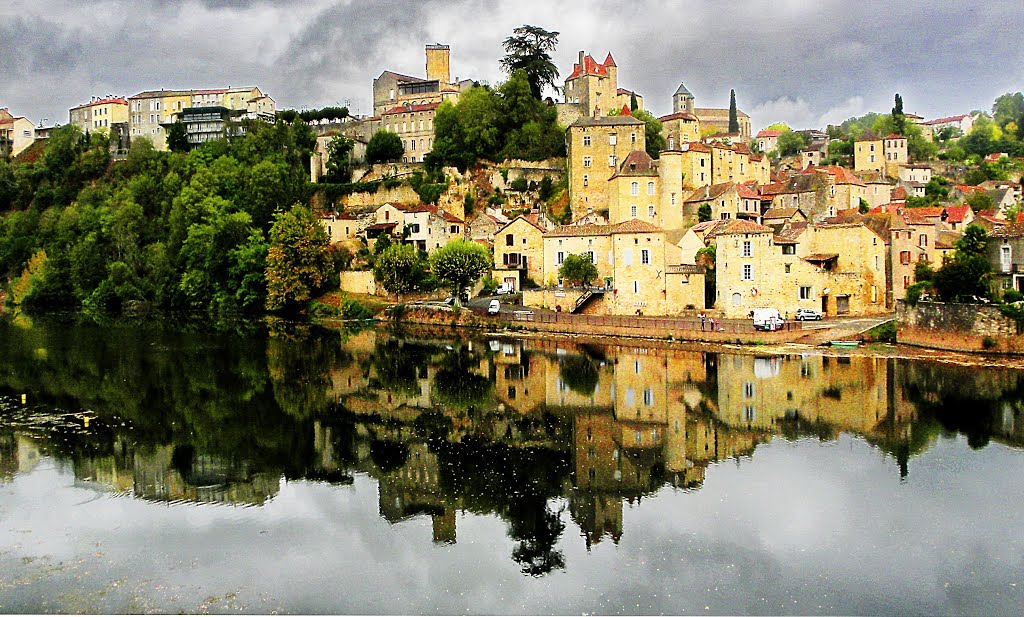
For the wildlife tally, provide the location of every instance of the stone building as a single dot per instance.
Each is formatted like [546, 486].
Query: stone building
[592, 90]
[99, 114]
[151, 113]
[596, 147]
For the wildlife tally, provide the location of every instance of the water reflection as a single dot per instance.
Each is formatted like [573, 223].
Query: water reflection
[529, 431]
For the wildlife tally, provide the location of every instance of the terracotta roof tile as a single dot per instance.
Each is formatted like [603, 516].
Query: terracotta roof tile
[682, 115]
[634, 226]
[739, 226]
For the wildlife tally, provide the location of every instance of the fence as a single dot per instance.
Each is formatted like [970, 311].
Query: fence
[655, 324]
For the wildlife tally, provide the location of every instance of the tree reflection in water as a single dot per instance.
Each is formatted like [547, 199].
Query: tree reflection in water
[212, 413]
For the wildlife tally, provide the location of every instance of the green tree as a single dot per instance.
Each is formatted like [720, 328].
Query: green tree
[980, 201]
[384, 147]
[339, 159]
[1008, 108]
[398, 269]
[459, 264]
[654, 141]
[299, 260]
[704, 213]
[529, 49]
[967, 274]
[578, 269]
[899, 120]
[790, 142]
[177, 139]
[734, 119]
[633, 104]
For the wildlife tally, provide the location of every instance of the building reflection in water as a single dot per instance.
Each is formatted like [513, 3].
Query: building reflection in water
[518, 427]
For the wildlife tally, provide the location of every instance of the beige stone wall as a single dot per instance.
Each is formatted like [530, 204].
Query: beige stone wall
[634, 197]
[358, 282]
[415, 128]
[403, 194]
[670, 211]
[527, 241]
[868, 156]
[682, 292]
[895, 156]
[638, 274]
[680, 131]
[600, 245]
[590, 166]
[958, 327]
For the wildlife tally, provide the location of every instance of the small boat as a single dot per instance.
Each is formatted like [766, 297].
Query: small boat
[844, 343]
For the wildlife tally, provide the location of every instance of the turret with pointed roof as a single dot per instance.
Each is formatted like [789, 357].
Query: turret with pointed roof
[682, 100]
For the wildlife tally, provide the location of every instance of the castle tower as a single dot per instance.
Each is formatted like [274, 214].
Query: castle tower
[682, 100]
[438, 63]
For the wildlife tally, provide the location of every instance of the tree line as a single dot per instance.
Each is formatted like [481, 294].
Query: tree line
[223, 228]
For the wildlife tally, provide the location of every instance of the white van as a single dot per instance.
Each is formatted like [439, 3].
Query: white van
[768, 319]
[494, 307]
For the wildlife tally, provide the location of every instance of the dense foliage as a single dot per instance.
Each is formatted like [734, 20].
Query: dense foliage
[578, 269]
[528, 50]
[162, 229]
[496, 125]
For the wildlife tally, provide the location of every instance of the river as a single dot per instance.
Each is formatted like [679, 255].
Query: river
[280, 467]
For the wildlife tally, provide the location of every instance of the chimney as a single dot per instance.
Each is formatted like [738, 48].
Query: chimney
[582, 68]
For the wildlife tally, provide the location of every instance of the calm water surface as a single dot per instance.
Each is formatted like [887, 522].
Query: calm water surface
[181, 467]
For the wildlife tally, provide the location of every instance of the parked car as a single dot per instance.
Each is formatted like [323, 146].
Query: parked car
[807, 314]
[504, 289]
[494, 307]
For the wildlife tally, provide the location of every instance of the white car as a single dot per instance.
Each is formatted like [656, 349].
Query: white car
[807, 314]
[494, 307]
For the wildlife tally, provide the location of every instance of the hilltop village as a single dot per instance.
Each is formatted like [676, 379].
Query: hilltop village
[681, 214]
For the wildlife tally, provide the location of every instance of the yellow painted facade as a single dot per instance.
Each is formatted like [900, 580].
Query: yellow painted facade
[520, 245]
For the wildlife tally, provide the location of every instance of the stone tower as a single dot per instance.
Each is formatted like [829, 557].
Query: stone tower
[682, 100]
[437, 63]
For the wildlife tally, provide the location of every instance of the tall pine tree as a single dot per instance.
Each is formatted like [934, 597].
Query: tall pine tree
[734, 118]
[898, 119]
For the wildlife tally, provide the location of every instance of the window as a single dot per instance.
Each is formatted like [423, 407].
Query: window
[636, 287]
[632, 211]
[586, 161]
[634, 188]
[788, 267]
[748, 390]
[592, 256]
[923, 240]
[673, 199]
[645, 256]
[1005, 258]
[509, 241]
[586, 180]
[560, 257]
[876, 262]
[748, 272]
[650, 211]
[649, 397]
[650, 188]
[789, 249]
[611, 160]
[611, 139]
[747, 249]
[904, 257]
[632, 138]
[586, 140]
[414, 228]
[805, 292]
[749, 414]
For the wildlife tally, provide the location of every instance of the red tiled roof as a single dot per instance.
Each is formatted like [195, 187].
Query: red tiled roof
[894, 136]
[898, 193]
[634, 226]
[956, 214]
[115, 99]
[678, 116]
[841, 174]
[945, 120]
[967, 189]
[409, 108]
[741, 226]
[609, 61]
[934, 211]
[747, 191]
[637, 162]
[769, 133]
[625, 111]
[590, 67]
[695, 146]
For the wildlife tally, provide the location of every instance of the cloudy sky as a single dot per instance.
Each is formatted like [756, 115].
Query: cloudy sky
[808, 63]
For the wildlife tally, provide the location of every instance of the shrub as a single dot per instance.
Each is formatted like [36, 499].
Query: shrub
[1012, 295]
[988, 342]
[519, 184]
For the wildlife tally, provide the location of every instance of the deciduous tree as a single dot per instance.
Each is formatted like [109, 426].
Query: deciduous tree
[299, 260]
[384, 147]
[459, 264]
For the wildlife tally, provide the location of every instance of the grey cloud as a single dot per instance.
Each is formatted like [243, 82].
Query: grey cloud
[943, 58]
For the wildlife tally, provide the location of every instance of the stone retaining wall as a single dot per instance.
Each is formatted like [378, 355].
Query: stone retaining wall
[957, 327]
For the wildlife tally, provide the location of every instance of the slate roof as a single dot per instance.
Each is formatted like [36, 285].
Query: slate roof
[637, 163]
[682, 90]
